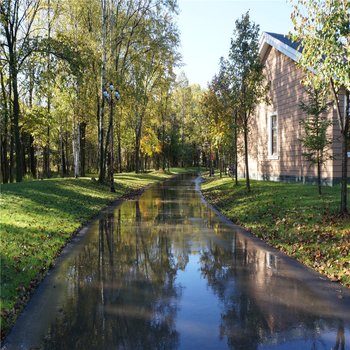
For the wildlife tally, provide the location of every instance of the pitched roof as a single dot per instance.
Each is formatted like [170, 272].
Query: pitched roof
[286, 40]
[281, 43]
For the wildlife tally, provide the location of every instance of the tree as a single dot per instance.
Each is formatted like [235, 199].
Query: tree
[103, 86]
[16, 19]
[213, 109]
[247, 69]
[323, 29]
[4, 118]
[183, 85]
[188, 129]
[227, 92]
[58, 58]
[315, 125]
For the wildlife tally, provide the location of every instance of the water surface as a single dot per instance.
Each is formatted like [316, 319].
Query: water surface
[165, 272]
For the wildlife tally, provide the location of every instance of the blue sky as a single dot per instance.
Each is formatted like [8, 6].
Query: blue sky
[206, 27]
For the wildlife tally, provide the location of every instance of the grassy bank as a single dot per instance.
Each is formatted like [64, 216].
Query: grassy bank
[292, 218]
[37, 218]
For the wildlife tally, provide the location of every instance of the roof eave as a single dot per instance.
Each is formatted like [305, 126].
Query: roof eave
[267, 40]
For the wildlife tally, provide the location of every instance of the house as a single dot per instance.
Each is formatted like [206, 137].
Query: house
[275, 150]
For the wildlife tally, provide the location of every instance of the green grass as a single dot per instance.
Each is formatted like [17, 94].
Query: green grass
[37, 218]
[292, 218]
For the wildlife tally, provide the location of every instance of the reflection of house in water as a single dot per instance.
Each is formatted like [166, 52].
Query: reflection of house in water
[283, 299]
[262, 304]
[271, 261]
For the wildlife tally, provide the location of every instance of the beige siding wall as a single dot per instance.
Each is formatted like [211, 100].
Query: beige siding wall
[337, 142]
[285, 95]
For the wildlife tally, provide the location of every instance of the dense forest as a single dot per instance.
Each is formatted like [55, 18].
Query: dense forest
[86, 84]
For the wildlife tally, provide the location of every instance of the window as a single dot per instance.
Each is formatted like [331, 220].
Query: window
[273, 137]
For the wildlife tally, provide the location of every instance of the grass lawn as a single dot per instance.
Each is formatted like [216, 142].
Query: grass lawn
[290, 217]
[37, 218]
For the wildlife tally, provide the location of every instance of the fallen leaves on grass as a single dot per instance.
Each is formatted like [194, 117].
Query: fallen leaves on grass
[291, 217]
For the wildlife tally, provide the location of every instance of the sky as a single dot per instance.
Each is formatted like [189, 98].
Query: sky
[206, 28]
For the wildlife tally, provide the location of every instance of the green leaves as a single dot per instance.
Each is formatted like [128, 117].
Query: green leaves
[316, 140]
[322, 27]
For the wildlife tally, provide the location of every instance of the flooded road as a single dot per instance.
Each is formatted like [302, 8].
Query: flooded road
[165, 272]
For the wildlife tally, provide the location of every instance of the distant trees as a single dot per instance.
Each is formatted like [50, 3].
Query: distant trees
[218, 113]
[236, 91]
[56, 59]
[323, 27]
[227, 88]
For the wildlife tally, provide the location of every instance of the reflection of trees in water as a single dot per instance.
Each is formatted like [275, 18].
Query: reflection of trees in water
[340, 340]
[248, 321]
[121, 291]
[241, 321]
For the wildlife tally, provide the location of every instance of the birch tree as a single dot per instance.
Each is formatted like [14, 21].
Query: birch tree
[16, 20]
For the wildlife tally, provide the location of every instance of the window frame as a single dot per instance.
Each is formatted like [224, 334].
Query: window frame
[270, 140]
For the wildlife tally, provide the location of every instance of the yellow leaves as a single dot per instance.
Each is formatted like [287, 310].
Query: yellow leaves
[150, 143]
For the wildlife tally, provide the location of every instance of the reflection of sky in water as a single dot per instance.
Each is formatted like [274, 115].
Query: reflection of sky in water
[198, 315]
[165, 273]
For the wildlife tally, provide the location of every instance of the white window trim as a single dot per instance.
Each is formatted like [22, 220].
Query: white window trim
[273, 156]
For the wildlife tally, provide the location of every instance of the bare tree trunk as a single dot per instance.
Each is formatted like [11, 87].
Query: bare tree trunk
[23, 152]
[82, 132]
[236, 151]
[211, 169]
[46, 152]
[183, 131]
[62, 157]
[98, 131]
[119, 152]
[4, 161]
[138, 141]
[76, 150]
[4, 136]
[137, 156]
[13, 16]
[32, 157]
[163, 145]
[246, 153]
[344, 130]
[67, 149]
[103, 83]
[319, 169]
[12, 157]
[47, 147]
[16, 129]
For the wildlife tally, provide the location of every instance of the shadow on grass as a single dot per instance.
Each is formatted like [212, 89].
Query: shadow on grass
[74, 197]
